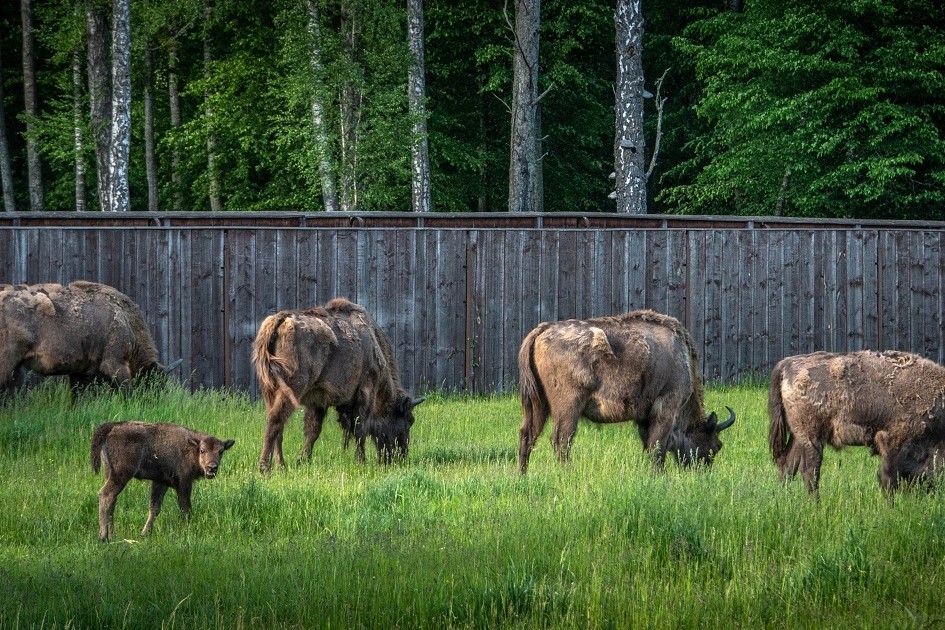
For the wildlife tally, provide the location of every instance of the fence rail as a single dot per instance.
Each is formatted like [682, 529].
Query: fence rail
[457, 295]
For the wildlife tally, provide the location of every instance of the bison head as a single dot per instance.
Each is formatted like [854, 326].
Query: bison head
[701, 443]
[908, 459]
[210, 450]
[393, 439]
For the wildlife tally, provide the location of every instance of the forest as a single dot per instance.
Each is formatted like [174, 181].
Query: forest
[832, 108]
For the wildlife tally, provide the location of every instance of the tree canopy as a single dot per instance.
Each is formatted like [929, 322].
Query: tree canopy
[814, 109]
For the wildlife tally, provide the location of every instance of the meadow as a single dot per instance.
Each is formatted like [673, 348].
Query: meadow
[455, 537]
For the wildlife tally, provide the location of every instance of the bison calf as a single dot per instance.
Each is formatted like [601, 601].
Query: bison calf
[169, 455]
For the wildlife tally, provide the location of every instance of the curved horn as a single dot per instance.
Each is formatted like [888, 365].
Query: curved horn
[731, 420]
[417, 401]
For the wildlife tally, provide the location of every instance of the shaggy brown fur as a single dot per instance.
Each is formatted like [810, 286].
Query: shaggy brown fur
[893, 402]
[168, 455]
[331, 356]
[640, 366]
[84, 330]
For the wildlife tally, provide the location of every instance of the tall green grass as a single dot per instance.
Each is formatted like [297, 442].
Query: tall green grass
[454, 536]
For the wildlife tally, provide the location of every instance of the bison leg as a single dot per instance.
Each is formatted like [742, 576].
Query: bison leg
[272, 439]
[119, 371]
[107, 497]
[659, 433]
[811, 458]
[158, 490]
[533, 423]
[183, 497]
[314, 416]
[562, 436]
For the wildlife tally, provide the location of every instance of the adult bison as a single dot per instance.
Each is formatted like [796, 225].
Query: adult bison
[85, 330]
[893, 402]
[331, 356]
[641, 366]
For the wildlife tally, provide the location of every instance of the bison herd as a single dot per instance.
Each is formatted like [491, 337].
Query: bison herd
[640, 366]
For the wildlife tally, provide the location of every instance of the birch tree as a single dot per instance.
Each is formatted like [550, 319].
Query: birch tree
[350, 103]
[6, 171]
[150, 160]
[121, 107]
[525, 185]
[216, 204]
[319, 127]
[98, 39]
[629, 166]
[416, 86]
[173, 97]
[78, 134]
[33, 163]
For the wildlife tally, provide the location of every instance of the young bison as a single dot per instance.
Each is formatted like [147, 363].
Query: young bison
[171, 456]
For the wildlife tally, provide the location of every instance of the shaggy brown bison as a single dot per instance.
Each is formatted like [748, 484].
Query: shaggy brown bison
[168, 455]
[331, 356]
[84, 330]
[641, 366]
[893, 402]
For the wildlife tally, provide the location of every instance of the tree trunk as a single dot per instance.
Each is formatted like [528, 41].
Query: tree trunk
[416, 89]
[173, 97]
[628, 143]
[215, 203]
[121, 107]
[150, 162]
[524, 172]
[33, 163]
[80, 188]
[329, 194]
[100, 94]
[6, 170]
[350, 106]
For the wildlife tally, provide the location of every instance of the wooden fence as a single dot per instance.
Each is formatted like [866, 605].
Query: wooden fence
[457, 293]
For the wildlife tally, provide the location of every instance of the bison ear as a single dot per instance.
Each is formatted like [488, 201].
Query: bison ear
[881, 439]
[228, 444]
[193, 442]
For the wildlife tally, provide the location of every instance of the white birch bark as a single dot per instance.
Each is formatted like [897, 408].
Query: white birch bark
[80, 187]
[329, 193]
[416, 96]
[628, 142]
[100, 94]
[6, 169]
[121, 107]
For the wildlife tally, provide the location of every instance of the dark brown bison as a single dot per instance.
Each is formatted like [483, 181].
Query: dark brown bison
[168, 455]
[641, 366]
[331, 356]
[893, 402]
[85, 330]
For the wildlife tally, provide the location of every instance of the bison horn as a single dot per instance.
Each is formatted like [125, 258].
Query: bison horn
[417, 401]
[729, 422]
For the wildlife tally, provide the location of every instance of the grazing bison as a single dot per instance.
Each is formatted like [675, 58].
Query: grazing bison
[331, 356]
[168, 455]
[640, 366]
[893, 402]
[85, 330]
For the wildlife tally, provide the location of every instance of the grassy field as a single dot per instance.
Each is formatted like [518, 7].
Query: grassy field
[454, 536]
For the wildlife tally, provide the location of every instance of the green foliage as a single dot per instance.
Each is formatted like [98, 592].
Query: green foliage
[835, 108]
[454, 536]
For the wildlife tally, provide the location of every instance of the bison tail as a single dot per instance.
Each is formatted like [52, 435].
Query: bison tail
[534, 403]
[779, 433]
[98, 442]
[270, 367]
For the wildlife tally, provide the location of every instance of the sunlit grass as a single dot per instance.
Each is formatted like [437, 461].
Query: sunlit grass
[454, 536]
